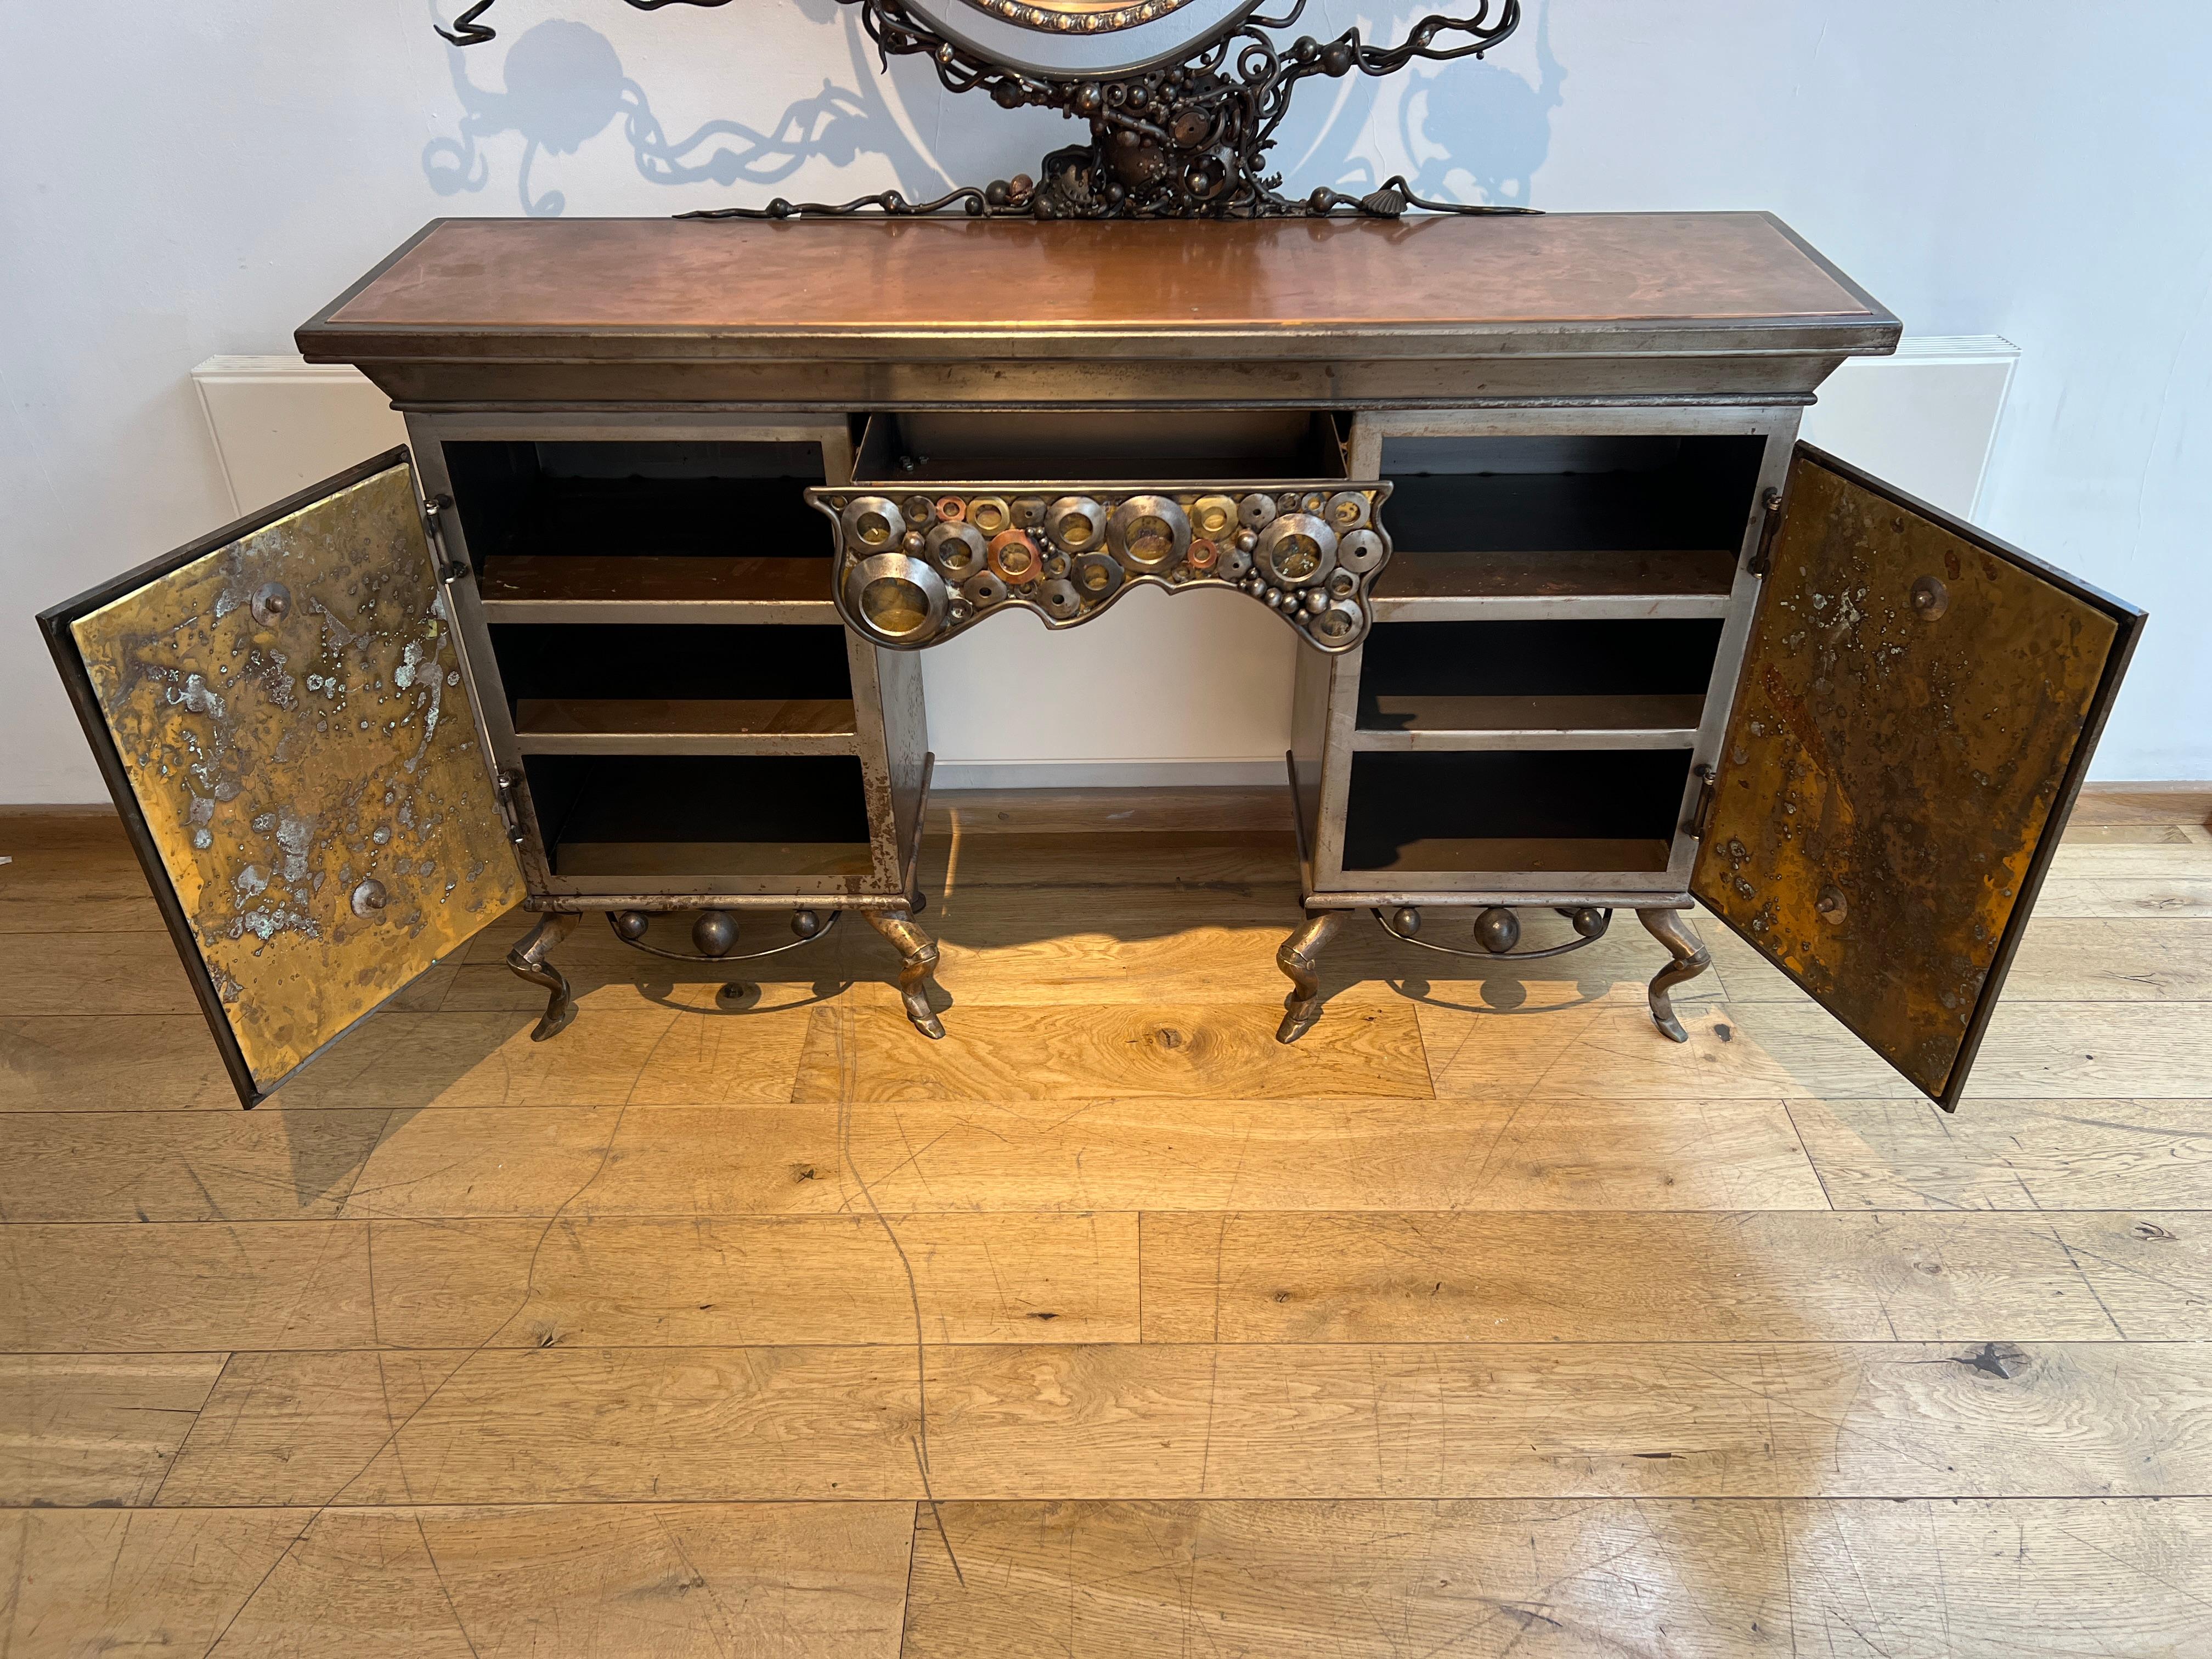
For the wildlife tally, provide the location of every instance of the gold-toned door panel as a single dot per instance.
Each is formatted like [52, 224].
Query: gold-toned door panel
[290, 719]
[1916, 708]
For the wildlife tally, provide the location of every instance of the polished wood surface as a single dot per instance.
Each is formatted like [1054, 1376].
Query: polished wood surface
[1484, 1322]
[648, 286]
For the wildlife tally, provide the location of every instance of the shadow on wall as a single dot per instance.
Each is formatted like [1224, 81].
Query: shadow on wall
[1468, 130]
[564, 85]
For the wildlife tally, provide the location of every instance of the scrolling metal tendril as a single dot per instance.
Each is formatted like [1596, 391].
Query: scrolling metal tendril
[1181, 137]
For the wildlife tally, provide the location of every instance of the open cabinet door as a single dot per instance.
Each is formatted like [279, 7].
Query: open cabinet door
[282, 717]
[1916, 711]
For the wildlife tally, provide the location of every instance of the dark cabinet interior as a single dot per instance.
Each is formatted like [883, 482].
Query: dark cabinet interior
[1514, 811]
[1477, 516]
[662, 817]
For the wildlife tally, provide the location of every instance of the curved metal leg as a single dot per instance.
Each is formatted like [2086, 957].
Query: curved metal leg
[917, 961]
[528, 961]
[1299, 958]
[1691, 958]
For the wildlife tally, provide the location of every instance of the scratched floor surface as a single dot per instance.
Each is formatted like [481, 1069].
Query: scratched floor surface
[1482, 1321]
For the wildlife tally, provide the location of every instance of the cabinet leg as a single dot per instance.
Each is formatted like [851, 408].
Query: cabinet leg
[1689, 957]
[917, 961]
[528, 960]
[1299, 959]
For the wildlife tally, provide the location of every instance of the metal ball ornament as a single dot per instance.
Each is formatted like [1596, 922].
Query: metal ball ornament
[714, 932]
[806, 923]
[1498, 930]
[631, 924]
[1405, 919]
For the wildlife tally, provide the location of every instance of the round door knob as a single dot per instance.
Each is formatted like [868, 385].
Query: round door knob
[369, 897]
[270, 603]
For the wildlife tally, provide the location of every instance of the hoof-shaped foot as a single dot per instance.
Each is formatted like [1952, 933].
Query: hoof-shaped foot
[917, 961]
[1691, 958]
[1299, 959]
[528, 960]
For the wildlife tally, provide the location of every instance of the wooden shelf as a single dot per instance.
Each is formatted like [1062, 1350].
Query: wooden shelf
[639, 726]
[652, 862]
[1521, 856]
[1649, 721]
[588, 588]
[1418, 586]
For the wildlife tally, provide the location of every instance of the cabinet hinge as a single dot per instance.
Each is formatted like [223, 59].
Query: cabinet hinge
[1762, 556]
[452, 567]
[504, 784]
[1701, 814]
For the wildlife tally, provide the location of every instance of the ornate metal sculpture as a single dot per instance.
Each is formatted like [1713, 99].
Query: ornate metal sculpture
[1182, 136]
[914, 568]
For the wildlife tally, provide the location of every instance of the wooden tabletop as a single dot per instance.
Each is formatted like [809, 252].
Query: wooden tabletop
[1428, 286]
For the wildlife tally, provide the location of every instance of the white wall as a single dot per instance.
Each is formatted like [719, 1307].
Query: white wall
[189, 180]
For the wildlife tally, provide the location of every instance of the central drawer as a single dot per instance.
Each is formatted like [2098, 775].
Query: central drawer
[954, 517]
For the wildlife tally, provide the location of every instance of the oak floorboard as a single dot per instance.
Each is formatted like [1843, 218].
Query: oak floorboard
[2093, 959]
[1910, 1276]
[268, 1165]
[203, 1286]
[1225, 1050]
[2011, 1154]
[404, 1060]
[1606, 1048]
[82, 972]
[814, 1581]
[655, 1057]
[95, 1063]
[583, 1425]
[1483, 1580]
[81, 1582]
[1153, 1152]
[95, 1429]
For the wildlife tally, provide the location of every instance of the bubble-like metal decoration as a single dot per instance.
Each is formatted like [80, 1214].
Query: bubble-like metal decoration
[1014, 558]
[896, 598]
[1297, 548]
[1149, 533]
[954, 548]
[1076, 523]
[1361, 551]
[872, 524]
[983, 590]
[1213, 517]
[1082, 545]
[1346, 511]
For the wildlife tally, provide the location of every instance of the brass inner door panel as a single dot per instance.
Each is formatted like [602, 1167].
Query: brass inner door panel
[1914, 709]
[919, 564]
[289, 713]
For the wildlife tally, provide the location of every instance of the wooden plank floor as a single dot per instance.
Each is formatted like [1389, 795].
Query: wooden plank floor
[1483, 1322]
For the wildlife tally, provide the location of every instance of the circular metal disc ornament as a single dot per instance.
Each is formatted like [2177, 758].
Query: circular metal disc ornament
[1066, 38]
[1296, 549]
[957, 548]
[1150, 534]
[872, 523]
[897, 599]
